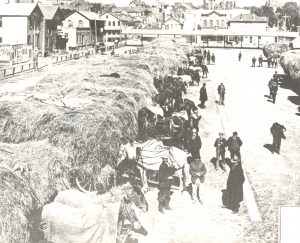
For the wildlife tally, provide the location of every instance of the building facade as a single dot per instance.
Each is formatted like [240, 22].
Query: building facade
[80, 29]
[20, 24]
[172, 24]
[113, 25]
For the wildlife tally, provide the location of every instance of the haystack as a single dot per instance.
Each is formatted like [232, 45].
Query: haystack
[43, 171]
[73, 121]
[290, 63]
[275, 49]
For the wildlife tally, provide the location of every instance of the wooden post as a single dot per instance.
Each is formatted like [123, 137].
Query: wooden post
[22, 68]
[4, 73]
[13, 72]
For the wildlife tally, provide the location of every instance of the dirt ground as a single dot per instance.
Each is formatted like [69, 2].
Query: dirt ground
[273, 178]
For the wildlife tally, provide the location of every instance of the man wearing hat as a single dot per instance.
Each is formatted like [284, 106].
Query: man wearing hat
[195, 144]
[220, 145]
[197, 172]
[234, 144]
[233, 195]
[165, 178]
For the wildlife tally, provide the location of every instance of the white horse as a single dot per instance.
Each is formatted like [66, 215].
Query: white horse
[151, 154]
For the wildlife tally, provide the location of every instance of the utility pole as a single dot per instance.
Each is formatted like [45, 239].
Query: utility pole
[95, 32]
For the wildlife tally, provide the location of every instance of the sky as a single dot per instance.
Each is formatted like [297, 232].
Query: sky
[240, 3]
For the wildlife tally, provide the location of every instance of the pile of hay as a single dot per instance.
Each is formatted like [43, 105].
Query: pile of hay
[71, 124]
[43, 172]
[275, 50]
[290, 63]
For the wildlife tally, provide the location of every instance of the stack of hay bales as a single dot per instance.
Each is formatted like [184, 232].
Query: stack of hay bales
[275, 49]
[290, 63]
[71, 124]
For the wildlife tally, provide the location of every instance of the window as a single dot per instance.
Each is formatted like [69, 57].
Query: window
[107, 16]
[109, 23]
[167, 27]
[205, 23]
[0, 22]
[118, 23]
[223, 23]
[250, 39]
[80, 23]
[218, 23]
[70, 23]
[28, 40]
[199, 27]
[114, 23]
[211, 23]
[0, 39]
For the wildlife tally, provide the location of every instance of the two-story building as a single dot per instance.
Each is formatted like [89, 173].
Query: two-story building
[114, 23]
[52, 36]
[20, 24]
[83, 29]
[172, 24]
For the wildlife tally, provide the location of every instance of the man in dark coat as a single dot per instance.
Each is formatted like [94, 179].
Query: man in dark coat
[277, 131]
[253, 61]
[260, 61]
[195, 145]
[234, 144]
[233, 195]
[220, 145]
[221, 92]
[240, 56]
[204, 70]
[203, 96]
[165, 177]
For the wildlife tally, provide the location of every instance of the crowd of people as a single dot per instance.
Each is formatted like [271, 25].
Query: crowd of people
[271, 61]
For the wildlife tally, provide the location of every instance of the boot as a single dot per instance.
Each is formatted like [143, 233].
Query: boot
[167, 204]
[161, 208]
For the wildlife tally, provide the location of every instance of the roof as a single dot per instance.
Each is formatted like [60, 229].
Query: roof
[119, 16]
[172, 18]
[213, 12]
[48, 11]
[17, 9]
[66, 12]
[89, 15]
[249, 18]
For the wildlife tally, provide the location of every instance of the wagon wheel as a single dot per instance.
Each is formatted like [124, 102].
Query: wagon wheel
[87, 184]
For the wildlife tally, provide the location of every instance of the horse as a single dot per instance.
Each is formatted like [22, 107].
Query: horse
[123, 201]
[149, 156]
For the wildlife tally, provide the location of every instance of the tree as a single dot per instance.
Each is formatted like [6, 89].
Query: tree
[257, 11]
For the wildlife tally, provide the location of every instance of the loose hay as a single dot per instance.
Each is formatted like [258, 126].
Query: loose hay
[275, 50]
[84, 116]
[290, 63]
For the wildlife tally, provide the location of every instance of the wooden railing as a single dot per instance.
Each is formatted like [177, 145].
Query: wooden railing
[12, 71]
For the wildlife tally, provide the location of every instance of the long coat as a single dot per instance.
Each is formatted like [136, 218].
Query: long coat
[195, 146]
[203, 94]
[235, 186]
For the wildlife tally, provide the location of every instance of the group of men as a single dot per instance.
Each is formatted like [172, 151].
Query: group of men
[272, 62]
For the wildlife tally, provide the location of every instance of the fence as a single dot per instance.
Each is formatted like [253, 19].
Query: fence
[9, 72]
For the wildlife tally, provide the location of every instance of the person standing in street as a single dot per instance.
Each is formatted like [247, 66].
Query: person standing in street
[277, 132]
[260, 61]
[234, 144]
[220, 145]
[203, 96]
[233, 195]
[197, 172]
[213, 58]
[253, 61]
[195, 145]
[204, 71]
[165, 178]
[240, 56]
[221, 92]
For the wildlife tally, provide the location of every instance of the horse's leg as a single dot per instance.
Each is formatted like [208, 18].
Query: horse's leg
[144, 179]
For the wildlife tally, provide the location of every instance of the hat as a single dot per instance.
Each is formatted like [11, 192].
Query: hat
[235, 133]
[164, 158]
[221, 133]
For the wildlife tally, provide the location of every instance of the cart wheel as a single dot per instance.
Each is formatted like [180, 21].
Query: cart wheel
[86, 185]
